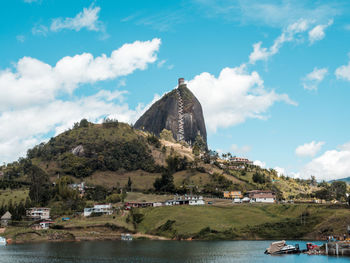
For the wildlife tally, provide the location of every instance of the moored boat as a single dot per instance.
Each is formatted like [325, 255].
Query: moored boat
[126, 237]
[280, 247]
[3, 241]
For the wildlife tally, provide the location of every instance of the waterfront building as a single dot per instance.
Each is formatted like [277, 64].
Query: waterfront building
[105, 209]
[38, 213]
[6, 219]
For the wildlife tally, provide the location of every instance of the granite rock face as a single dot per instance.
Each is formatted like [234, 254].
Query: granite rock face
[178, 111]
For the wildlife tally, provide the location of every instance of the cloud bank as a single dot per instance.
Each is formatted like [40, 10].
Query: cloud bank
[234, 96]
[31, 94]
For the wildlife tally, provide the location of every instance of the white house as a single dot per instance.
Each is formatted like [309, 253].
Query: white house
[186, 200]
[171, 202]
[196, 200]
[45, 224]
[263, 198]
[105, 209]
[37, 213]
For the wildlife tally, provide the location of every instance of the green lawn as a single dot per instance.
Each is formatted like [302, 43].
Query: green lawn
[16, 195]
[190, 220]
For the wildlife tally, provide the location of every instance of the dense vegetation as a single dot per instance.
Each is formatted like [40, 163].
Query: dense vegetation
[111, 146]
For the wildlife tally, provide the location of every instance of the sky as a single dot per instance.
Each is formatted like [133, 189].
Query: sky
[273, 77]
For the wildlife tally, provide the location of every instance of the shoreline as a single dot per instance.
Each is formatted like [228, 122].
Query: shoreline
[65, 236]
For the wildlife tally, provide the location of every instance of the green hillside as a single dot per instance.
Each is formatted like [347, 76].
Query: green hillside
[114, 158]
[245, 221]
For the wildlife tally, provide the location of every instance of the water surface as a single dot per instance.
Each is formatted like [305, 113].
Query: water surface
[153, 251]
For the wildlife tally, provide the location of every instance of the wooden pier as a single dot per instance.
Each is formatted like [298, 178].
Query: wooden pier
[340, 248]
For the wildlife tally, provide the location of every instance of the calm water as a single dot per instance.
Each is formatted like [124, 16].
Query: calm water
[153, 251]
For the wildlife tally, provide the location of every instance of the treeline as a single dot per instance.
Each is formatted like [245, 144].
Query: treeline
[334, 191]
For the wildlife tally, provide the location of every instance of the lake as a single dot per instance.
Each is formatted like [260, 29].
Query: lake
[153, 251]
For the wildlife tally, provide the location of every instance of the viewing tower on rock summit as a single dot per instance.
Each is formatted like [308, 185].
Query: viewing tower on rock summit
[178, 111]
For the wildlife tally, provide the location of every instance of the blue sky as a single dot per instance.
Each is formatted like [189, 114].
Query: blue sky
[273, 77]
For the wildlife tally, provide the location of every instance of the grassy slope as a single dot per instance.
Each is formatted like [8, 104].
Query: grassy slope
[248, 221]
[16, 195]
[141, 180]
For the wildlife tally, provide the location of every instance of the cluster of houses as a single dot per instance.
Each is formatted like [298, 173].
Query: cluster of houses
[41, 214]
[236, 163]
[254, 196]
[177, 200]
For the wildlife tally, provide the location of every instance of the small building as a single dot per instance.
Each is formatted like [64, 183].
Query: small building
[45, 224]
[240, 160]
[246, 200]
[171, 202]
[196, 201]
[233, 194]
[6, 219]
[104, 209]
[262, 196]
[186, 200]
[38, 213]
[129, 205]
[79, 187]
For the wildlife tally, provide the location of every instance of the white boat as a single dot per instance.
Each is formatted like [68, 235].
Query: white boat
[280, 247]
[126, 237]
[3, 241]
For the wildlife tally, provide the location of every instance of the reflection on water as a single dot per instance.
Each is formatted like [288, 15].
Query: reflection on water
[153, 251]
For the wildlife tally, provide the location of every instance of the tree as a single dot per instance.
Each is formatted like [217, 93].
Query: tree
[152, 139]
[39, 190]
[199, 145]
[167, 135]
[84, 123]
[98, 193]
[313, 180]
[259, 178]
[165, 183]
[128, 186]
[338, 189]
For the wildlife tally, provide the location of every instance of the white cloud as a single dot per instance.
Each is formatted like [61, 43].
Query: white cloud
[309, 149]
[233, 97]
[241, 151]
[57, 116]
[40, 30]
[343, 72]
[260, 163]
[30, 104]
[34, 81]
[333, 164]
[161, 63]
[277, 13]
[289, 34]
[317, 33]
[345, 147]
[88, 18]
[314, 78]
[20, 38]
[280, 171]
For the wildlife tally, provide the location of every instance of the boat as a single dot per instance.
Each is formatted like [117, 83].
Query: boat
[126, 237]
[3, 241]
[280, 247]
